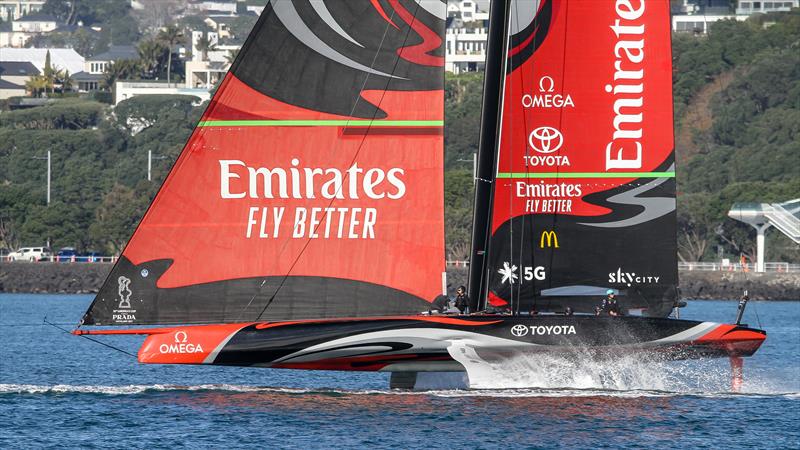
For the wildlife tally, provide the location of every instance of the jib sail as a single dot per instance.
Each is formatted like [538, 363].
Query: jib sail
[584, 191]
[312, 186]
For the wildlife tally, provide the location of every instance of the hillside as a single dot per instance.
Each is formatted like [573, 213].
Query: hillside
[737, 102]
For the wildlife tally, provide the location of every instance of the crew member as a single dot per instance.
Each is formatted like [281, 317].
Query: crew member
[462, 300]
[610, 305]
[439, 304]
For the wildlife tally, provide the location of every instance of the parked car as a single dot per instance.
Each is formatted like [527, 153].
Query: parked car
[4, 254]
[66, 254]
[31, 254]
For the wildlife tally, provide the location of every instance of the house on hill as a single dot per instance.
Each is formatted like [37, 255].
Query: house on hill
[13, 75]
[14, 9]
[8, 90]
[94, 68]
[25, 28]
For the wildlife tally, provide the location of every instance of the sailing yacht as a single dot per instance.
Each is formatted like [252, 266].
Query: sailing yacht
[302, 226]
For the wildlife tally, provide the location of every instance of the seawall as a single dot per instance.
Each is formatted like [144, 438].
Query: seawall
[77, 278]
[52, 278]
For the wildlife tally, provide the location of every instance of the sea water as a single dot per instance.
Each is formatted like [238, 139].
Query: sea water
[59, 390]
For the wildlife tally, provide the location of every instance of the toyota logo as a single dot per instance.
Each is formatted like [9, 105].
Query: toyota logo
[519, 330]
[546, 139]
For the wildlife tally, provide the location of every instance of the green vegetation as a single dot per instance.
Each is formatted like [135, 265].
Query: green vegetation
[737, 99]
[99, 166]
[112, 16]
[745, 144]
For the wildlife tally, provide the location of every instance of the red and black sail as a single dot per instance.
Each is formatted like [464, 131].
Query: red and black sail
[583, 198]
[312, 186]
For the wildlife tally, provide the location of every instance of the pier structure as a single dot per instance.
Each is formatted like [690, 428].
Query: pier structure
[785, 217]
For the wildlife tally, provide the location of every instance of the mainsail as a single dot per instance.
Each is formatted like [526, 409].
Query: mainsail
[583, 198]
[312, 186]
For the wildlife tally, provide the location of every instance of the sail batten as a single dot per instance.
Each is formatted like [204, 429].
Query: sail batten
[312, 186]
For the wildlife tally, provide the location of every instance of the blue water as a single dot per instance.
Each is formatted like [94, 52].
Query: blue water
[58, 390]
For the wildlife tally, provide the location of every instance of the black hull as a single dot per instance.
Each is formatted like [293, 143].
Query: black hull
[437, 343]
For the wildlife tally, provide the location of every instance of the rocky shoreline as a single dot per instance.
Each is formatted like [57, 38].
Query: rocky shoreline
[80, 278]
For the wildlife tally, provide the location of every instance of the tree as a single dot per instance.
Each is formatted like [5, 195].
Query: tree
[170, 36]
[152, 54]
[116, 218]
[205, 45]
[123, 69]
[49, 73]
[86, 11]
[37, 84]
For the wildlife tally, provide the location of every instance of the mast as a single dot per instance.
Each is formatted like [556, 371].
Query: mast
[491, 113]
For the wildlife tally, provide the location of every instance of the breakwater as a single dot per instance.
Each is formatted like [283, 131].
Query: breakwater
[79, 278]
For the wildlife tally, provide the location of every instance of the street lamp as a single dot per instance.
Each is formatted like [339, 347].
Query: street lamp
[48, 173]
[150, 158]
[474, 162]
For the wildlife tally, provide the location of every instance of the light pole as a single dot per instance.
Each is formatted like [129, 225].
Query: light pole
[474, 162]
[150, 164]
[48, 173]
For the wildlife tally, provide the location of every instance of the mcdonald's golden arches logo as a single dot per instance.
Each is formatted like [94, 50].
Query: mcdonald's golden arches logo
[550, 237]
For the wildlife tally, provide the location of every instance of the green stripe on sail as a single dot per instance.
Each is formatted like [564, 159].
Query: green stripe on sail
[587, 175]
[321, 123]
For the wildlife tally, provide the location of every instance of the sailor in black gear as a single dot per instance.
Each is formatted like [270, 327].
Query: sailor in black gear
[610, 305]
[462, 300]
[439, 304]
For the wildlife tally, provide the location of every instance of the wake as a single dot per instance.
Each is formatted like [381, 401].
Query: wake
[13, 390]
[577, 373]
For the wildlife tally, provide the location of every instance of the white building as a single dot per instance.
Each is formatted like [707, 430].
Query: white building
[94, 69]
[754, 7]
[25, 28]
[35, 23]
[699, 23]
[215, 5]
[124, 90]
[13, 76]
[697, 18]
[468, 10]
[466, 35]
[205, 69]
[465, 49]
[9, 89]
[14, 9]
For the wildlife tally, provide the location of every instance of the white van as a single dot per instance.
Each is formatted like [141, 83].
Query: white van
[31, 254]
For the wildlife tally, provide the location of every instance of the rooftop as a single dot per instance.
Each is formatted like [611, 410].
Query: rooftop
[37, 17]
[60, 58]
[18, 68]
[86, 76]
[116, 52]
[9, 85]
